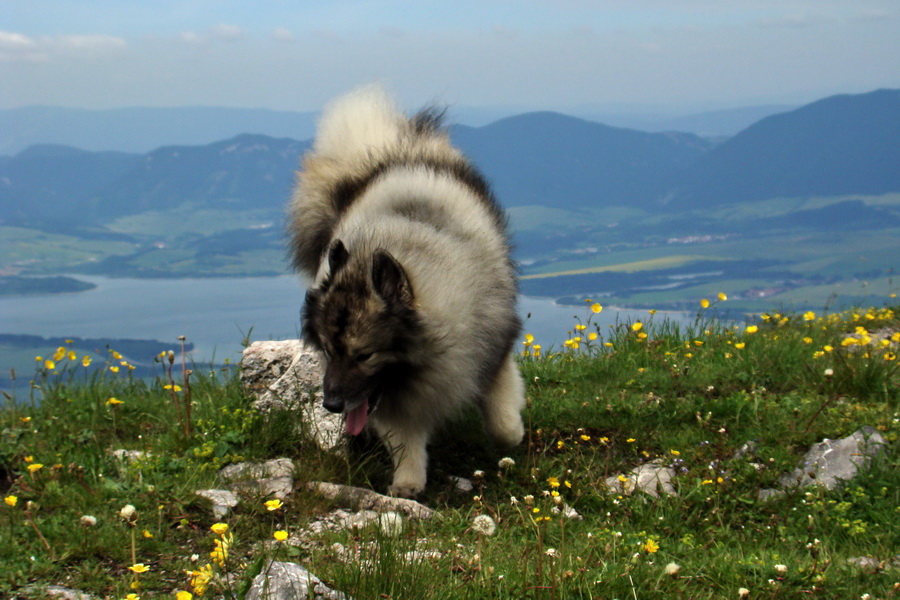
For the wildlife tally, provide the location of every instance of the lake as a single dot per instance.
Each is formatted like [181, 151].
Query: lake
[215, 314]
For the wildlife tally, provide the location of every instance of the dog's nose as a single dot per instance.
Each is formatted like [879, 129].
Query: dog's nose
[333, 404]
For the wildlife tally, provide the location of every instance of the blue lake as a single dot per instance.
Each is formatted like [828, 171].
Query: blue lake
[215, 314]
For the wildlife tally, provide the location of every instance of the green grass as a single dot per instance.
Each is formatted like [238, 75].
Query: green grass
[688, 396]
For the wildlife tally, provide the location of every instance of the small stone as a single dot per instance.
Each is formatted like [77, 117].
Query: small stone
[289, 581]
[222, 501]
[651, 478]
[271, 478]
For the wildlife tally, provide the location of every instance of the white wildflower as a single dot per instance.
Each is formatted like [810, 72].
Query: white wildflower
[484, 525]
[88, 521]
[781, 569]
[127, 512]
[506, 463]
[672, 569]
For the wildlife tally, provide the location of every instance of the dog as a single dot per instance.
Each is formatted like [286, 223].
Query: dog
[413, 300]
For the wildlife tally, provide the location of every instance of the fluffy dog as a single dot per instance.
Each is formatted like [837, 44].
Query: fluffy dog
[413, 303]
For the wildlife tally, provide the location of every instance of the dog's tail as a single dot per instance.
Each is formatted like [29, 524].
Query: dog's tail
[361, 123]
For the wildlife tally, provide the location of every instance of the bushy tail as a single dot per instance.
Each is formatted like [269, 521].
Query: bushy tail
[359, 123]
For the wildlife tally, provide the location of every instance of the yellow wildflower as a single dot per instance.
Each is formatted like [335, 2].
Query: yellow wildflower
[33, 467]
[809, 316]
[722, 297]
[59, 354]
[147, 534]
[114, 369]
[280, 535]
[596, 308]
[637, 326]
[11, 500]
[219, 528]
[114, 402]
[704, 303]
[529, 339]
[184, 596]
[175, 387]
[650, 546]
[86, 361]
[740, 345]
[274, 504]
[751, 329]
[139, 568]
[553, 481]
[49, 364]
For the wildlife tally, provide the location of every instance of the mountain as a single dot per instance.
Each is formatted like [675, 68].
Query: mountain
[245, 172]
[848, 144]
[560, 161]
[143, 129]
[53, 182]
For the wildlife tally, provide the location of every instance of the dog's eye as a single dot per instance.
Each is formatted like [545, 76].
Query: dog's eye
[363, 357]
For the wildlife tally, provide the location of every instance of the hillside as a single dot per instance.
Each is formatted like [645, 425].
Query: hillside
[839, 145]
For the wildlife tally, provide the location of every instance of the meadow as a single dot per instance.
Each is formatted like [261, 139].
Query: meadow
[604, 402]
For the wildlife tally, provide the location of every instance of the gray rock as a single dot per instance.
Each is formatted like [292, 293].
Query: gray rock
[651, 478]
[461, 484]
[363, 499]
[341, 520]
[290, 581]
[271, 478]
[288, 375]
[222, 501]
[55, 592]
[831, 462]
[873, 564]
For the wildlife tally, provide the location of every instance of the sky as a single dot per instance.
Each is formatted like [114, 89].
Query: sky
[628, 55]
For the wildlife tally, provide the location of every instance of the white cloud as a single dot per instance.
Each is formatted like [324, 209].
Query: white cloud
[280, 34]
[226, 33]
[18, 47]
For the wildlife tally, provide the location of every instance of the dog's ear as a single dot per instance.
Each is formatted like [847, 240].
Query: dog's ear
[337, 257]
[390, 280]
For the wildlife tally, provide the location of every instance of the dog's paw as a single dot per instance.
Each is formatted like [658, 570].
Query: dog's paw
[408, 490]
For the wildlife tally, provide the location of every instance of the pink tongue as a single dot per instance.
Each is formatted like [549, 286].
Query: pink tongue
[356, 418]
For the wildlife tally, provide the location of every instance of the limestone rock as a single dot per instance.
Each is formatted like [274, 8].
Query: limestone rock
[288, 375]
[831, 462]
[651, 478]
[363, 499]
[271, 478]
[57, 592]
[289, 581]
[222, 501]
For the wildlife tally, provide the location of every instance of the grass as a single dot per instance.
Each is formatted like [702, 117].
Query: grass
[597, 407]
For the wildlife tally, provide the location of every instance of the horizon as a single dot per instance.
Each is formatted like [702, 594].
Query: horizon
[570, 57]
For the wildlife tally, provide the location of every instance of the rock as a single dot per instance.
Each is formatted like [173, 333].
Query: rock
[127, 456]
[566, 511]
[461, 484]
[55, 592]
[271, 478]
[831, 462]
[363, 499]
[651, 478]
[873, 564]
[341, 520]
[222, 501]
[289, 581]
[287, 375]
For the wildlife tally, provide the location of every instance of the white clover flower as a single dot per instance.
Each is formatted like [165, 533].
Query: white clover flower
[529, 499]
[513, 500]
[781, 569]
[743, 593]
[672, 569]
[127, 512]
[478, 474]
[88, 521]
[390, 523]
[551, 552]
[506, 463]
[484, 525]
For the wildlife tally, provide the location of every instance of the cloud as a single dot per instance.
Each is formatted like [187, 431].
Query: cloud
[280, 34]
[221, 32]
[18, 47]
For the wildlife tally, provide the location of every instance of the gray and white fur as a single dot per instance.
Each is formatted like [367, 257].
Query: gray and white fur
[413, 303]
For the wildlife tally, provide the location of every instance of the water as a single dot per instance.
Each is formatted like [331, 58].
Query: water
[215, 314]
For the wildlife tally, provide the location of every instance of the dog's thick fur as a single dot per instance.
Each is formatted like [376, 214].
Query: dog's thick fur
[414, 297]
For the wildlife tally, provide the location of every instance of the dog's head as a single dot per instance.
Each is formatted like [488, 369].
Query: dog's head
[362, 318]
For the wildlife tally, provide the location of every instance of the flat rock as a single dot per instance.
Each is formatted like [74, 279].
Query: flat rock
[287, 375]
[222, 501]
[363, 499]
[831, 462]
[652, 478]
[57, 592]
[289, 581]
[271, 478]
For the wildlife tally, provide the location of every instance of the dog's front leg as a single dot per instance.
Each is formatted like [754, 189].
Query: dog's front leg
[408, 448]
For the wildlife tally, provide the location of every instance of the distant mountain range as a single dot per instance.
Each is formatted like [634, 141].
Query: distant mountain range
[139, 130]
[839, 145]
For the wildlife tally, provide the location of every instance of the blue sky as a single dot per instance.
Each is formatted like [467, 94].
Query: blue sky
[628, 55]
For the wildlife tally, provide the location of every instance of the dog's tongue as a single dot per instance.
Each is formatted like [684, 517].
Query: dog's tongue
[356, 418]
